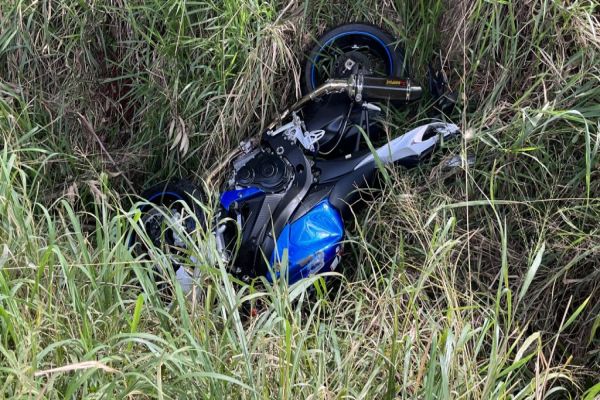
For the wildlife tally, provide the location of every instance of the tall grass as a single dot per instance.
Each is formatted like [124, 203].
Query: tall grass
[472, 283]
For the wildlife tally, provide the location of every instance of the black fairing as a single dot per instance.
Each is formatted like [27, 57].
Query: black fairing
[346, 192]
[332, 170]
[267, 215]
[341, 183]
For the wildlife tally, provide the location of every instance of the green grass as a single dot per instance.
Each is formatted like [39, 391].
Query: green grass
[478, 283]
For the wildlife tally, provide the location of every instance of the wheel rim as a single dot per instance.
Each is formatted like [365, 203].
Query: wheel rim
[347, 42]
[162, 223]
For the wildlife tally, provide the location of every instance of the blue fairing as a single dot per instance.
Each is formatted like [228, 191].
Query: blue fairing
[231, 196]
[312, 241]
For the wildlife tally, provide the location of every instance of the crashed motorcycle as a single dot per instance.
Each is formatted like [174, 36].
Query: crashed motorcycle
[287, 192]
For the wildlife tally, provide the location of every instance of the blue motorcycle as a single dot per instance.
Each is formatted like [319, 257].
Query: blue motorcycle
[291, 188]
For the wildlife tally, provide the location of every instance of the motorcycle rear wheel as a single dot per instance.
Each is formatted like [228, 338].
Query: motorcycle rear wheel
[370, 49]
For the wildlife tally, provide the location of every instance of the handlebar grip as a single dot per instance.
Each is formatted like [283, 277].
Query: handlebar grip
[390, 89]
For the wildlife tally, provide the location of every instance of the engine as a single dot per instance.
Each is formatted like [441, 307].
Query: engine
[264, 170]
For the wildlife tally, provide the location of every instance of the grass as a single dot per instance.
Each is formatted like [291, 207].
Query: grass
[477, 283]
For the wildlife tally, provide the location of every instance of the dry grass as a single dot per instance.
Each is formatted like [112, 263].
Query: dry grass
[479, 283]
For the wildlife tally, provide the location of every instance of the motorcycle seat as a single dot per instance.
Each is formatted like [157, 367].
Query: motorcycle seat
[331, 170]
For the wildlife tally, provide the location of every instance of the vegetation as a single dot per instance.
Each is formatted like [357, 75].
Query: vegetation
[478, 283]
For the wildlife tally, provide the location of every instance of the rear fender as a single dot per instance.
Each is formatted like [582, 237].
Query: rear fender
[413, 146]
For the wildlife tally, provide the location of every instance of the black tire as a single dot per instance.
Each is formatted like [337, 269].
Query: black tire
[168, 192]
[381, 43]
[167, 199]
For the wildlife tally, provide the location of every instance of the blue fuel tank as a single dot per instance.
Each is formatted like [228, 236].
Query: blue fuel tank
[313, 242]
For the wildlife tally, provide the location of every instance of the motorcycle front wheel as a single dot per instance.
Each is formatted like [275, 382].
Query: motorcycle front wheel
[171, 212]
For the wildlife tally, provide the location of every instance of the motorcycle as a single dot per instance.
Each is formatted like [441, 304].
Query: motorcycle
[287, 192]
